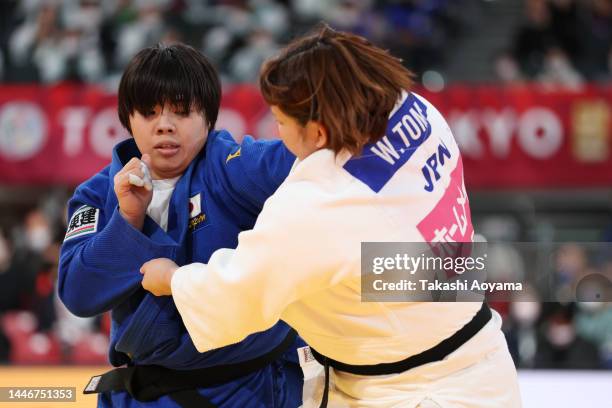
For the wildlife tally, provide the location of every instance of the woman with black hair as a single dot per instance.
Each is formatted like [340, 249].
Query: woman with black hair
[178, 189]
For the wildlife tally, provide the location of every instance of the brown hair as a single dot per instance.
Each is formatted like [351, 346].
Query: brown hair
[340, 80]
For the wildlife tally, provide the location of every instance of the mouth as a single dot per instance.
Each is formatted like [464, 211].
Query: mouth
[167, 149]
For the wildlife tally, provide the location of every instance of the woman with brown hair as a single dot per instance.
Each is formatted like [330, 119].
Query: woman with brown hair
[377, 163]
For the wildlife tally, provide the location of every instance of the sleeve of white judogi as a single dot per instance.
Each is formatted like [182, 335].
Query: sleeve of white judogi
[290, 253]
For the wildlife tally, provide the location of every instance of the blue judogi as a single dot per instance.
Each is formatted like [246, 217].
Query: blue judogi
[220, 194]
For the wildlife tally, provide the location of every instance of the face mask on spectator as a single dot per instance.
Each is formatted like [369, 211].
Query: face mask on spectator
[525, 313]
[591, 307]
[560, 335]
[38, 238]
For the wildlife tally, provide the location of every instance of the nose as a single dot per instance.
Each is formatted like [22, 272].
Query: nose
[165, 124]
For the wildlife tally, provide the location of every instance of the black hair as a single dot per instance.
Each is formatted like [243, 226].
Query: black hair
[175, 74]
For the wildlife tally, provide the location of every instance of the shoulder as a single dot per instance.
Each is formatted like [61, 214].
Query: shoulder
[221, 144]
[220, 150]
[95, 189]
[265, 161]
[295, 201]
[430, 111]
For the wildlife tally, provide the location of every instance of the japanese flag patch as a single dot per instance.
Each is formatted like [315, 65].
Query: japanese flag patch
[195, 205]
[197, 216]
[84, 221]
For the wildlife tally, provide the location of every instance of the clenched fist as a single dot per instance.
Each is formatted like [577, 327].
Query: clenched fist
[134, 191]
[158, 275]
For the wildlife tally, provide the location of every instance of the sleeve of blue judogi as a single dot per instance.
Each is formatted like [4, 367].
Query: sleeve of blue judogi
[102, 253]
[248, 172]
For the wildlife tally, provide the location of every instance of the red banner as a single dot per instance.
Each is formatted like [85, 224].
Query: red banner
[531, 137]
[519, 137]
[65, 134]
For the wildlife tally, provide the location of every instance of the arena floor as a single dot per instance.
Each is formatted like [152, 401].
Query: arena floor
[539, 388]
[11, 376]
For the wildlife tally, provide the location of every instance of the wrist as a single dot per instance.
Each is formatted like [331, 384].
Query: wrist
[169, 274]
[136, 222]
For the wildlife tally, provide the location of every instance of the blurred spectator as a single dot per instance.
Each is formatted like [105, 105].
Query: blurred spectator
[28, 278]
[243, 34]
[545, 334]
[570, 266]
[558, 70]
[417, 32]
[597, 42]
[583, 31]
[534, 39]
[594, 323]
[507, 69]
[4, 347]
[271, 16]
[355, 16]
[9, 278]
[91, 40]
[17, 282]
[568, 27]
[560, 345]
[245, 64]
[146, 29]
[55, 43]
[521, 329]
[561, 42]
[5, 254]
[115, 18]
[1, 65]
[39, 28]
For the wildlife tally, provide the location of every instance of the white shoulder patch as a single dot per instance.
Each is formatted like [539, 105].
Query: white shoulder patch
[83, 221]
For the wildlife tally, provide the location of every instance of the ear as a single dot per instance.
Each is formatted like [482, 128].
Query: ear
[317, 133]
[321, 140]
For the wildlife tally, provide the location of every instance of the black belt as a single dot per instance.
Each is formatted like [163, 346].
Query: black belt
[148, 383]
[436, 353]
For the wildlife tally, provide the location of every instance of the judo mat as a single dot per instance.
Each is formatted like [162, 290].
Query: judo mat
[538, 387]
[50, 376]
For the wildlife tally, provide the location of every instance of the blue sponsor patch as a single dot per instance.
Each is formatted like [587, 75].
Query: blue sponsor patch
[407, 129]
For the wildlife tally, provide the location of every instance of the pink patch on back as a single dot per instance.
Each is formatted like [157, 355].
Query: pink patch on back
[450, 221]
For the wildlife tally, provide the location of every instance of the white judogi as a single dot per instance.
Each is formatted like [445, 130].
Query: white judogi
[301, 263]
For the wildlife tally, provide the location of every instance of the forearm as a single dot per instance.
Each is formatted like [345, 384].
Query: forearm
[100, 272]
[217, 307]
